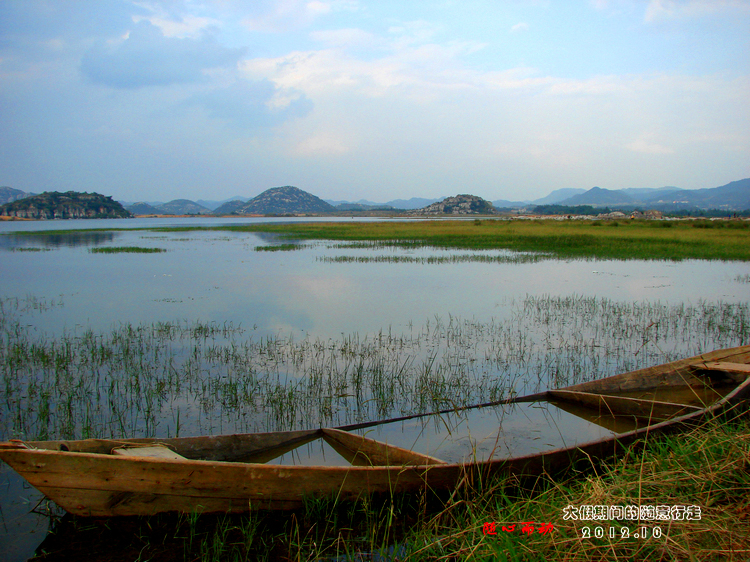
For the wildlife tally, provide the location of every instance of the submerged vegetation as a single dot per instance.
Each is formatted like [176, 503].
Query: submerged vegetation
[31, 249]
[279, 248]
[168, 378]
[436, 260]
[126, 250]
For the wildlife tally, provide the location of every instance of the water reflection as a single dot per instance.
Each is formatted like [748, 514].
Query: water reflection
[458, 331]
[55, 240]
[476, 435]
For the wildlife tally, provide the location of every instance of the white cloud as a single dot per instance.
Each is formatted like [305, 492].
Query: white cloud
[147, 58]
[408, 63]
[658, 10]
[189, 26]
[522, 26]
[322, 144]
[318, 8]
[341, 38]
[646, 146]
[285, 15]
[412, 33]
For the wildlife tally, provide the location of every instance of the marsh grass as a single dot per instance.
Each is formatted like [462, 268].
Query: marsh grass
[634, 239]
[126, 250]
[706, 467]
[171, 378]
[279, 248]
[439, 260]
[167, 378]
[31, 249]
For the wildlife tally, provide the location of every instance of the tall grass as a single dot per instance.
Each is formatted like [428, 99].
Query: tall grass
[439, 260]
[563, 239]
[171, 378]
[279, 248]
[707, 467]
[126, 250]
[635, 239]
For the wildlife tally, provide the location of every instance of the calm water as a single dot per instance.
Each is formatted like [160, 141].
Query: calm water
[298, 296]
[219, 276]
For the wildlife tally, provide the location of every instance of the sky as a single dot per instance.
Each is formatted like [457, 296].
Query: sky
[154, 100]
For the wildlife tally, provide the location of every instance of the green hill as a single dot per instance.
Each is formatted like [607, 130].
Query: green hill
[287, 200]
[68, 205]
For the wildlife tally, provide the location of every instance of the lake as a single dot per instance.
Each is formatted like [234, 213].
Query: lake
[213, 335]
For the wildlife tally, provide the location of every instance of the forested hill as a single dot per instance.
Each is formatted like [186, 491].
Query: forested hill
[68, 205]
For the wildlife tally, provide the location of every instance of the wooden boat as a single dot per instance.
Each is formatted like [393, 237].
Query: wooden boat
[104, 477]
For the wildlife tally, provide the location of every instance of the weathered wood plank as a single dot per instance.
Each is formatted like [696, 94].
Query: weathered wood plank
[623, 406]
[676, 373]
[150, 451]
[362, 451]
[197, 478]
[99, 503]
[727, 367]
[247, 447]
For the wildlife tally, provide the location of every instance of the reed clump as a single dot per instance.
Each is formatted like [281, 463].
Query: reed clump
[126, 250]
[279, 248]
[166, 378]
[561, 239]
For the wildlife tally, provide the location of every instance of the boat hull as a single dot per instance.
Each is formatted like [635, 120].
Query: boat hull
[84, 478]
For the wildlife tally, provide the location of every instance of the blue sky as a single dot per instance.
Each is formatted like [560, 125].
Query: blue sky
[357, 99]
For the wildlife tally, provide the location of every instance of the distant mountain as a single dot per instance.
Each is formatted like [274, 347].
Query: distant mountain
[362, 207]
[127, 204]
[458, 205]
[213, 205]
[600, 197]
[229, 207]
[141, 208]
[505, 204]
[399, 204]
[558, 195]
[8, 195]
[363, 202]
[734, 196]
[182, 207]
[68, 205]
[413, 203]
[279, 201]
[646, 192]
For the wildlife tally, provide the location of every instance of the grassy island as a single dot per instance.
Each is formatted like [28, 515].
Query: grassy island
[627, 239]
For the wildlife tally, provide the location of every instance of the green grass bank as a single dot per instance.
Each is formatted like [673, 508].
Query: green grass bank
[630, 239]
[564, 239]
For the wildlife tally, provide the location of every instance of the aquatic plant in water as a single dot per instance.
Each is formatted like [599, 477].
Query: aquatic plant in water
[193, 377]
[126, 250]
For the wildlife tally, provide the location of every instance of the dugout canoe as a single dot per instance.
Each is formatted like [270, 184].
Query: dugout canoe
[233, 473]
